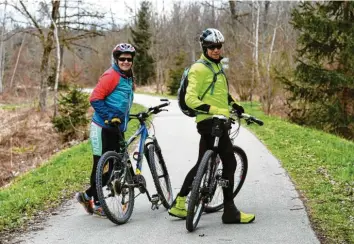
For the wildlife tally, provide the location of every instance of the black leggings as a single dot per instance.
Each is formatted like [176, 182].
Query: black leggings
[110, 142]
[227, 156]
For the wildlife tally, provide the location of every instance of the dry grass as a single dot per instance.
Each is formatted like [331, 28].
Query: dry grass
[27, 138]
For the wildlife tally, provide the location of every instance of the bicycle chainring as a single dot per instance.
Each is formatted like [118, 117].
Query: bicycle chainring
[140, 180]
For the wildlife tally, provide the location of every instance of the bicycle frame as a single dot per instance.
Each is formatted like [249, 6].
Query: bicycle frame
[212, 168]
[144, 135]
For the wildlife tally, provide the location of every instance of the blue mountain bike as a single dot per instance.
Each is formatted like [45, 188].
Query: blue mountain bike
[116, 178]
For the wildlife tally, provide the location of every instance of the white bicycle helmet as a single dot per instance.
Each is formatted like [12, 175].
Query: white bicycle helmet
[123, 48]
[211, 36]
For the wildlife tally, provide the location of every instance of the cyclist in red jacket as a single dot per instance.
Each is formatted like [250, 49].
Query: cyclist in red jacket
[111, 99]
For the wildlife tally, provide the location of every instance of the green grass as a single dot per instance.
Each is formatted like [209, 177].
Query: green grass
[48, 186]
[322, 167]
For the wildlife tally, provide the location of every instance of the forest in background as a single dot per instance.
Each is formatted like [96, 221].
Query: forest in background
[292, 57]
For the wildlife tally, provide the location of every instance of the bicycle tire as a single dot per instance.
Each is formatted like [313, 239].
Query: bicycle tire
[166, 200]
[191, 222]
[112, 155]
[244, 168]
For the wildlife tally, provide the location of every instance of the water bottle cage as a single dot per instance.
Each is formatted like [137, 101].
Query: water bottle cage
[137, 156]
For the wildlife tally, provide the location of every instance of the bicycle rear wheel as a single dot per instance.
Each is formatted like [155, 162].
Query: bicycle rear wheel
[217, 202]
[200, 188]
[160, 175]
[114, 187]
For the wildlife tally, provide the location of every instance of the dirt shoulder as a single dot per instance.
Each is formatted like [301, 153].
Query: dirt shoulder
[27, 138]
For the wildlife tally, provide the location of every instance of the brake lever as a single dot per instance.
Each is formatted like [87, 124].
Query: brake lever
[248, 121]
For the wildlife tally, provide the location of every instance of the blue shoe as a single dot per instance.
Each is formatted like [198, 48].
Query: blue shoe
[98, 210]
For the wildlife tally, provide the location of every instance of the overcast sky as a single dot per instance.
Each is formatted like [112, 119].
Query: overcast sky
[120, 8]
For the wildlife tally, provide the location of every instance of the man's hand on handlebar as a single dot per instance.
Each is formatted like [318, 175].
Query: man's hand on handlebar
[238, 109]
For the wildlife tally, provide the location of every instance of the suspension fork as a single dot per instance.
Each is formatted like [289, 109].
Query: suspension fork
[212, 167]
[158, 151]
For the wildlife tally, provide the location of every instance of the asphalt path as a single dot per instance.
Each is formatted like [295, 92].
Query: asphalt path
[268, 192]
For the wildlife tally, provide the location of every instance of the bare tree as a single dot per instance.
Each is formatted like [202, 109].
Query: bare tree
[268, 79]
[58, 61]
[78, 30]
[2, 61]
[17, 60]
[255, 32]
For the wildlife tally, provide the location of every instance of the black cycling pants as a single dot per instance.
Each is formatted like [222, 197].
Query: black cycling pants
[226, 153]
[102, 140]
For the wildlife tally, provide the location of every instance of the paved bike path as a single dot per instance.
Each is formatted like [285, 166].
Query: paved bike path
[267, 192]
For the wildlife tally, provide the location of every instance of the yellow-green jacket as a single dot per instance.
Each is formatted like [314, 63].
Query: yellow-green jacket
[199, 79]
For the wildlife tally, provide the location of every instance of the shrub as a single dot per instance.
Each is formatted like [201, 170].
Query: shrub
[72, 110]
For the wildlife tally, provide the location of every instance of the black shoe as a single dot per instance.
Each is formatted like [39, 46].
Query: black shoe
[232, 215]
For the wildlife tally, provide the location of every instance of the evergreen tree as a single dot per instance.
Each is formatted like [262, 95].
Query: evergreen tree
[176, 73]
[322, 91]
[73, 108]
[143, 62]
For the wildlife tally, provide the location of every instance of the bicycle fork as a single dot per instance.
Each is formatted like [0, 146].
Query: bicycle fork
[139, 180]
[219, 180]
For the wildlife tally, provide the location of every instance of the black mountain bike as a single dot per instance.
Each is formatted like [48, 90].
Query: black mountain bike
[206, 194]
[116, 179]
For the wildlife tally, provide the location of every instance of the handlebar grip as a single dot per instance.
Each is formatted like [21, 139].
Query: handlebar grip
[259, 122]
[162, 105]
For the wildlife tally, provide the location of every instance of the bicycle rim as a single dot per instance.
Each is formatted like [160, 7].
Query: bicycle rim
[198, 194]
[217, 202]
[114, 193]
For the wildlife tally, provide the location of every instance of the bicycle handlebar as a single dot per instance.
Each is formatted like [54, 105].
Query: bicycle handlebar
[248, 118]
[251, 119]
[159, 106]
[152, 110]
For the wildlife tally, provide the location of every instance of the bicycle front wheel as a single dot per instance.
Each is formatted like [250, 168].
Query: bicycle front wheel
[160, 175]
[199, 193]
[217, 202]
[114, 187]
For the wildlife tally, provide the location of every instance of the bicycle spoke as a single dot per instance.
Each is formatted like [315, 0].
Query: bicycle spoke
[239, 177]
[115, 196]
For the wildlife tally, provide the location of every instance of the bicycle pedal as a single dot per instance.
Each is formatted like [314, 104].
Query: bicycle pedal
[155, 198]
[223, 183]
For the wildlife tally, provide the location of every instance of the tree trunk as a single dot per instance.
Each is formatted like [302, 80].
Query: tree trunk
[48, 45]
[256, 44]
[269, 83]
[44, 74]
[56, 35]
[2, 60]
[17, 60]
[232, 5]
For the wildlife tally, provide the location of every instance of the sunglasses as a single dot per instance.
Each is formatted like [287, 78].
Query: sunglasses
[217, 46]
[125, 59]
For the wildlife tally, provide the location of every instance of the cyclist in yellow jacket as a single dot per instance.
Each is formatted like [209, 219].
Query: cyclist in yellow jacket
[215, 102]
